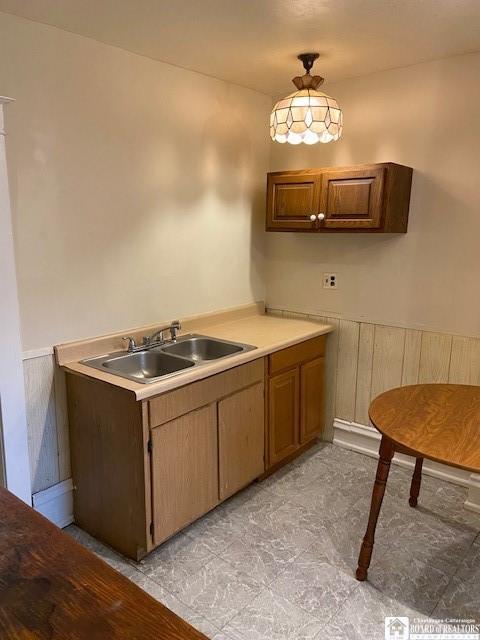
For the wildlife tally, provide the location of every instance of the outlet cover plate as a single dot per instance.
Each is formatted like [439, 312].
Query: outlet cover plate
[330, 281]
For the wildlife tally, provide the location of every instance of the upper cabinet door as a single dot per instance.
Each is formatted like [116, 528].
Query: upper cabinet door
[352, 198]
[292, 201]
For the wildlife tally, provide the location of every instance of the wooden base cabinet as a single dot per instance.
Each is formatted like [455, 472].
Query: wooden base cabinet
[110, 464]
[295, 408]
[144, 470]
[371, 198]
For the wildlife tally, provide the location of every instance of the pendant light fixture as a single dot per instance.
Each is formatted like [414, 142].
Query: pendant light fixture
[308, 115]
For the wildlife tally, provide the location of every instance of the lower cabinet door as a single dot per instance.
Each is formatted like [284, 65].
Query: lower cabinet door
[311, 399]
[184, 470]
[241, 439]
[283, 415]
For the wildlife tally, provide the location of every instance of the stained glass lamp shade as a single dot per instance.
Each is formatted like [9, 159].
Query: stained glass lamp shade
[307, 116]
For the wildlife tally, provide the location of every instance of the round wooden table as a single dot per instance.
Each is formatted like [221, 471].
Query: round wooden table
[439, 422]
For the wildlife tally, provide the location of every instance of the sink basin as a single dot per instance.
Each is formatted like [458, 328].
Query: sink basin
[166, 359]
[200, 348]
[144, 365]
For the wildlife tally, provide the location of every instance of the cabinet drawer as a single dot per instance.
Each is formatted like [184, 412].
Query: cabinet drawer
[175, 403]
[291, 356]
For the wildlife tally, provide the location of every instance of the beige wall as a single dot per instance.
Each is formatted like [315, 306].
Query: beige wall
[137, 187]
[425, 116]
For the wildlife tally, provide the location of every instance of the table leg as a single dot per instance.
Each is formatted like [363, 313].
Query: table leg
[386, 455]
[416, 482]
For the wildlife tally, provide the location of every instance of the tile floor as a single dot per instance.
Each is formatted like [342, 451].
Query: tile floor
[277, 561]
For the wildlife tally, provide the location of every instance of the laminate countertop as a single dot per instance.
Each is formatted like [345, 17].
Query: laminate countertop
[244, 324]
[52, 588]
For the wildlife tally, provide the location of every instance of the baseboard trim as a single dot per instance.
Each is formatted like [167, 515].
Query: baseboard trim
[473, 500]
[56, 503]
[472, 506]
[366, 440]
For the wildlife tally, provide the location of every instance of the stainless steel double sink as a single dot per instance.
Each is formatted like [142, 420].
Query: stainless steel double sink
[167, 359]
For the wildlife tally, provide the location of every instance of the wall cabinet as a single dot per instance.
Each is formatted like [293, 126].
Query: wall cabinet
[366, 198]
[294, 399]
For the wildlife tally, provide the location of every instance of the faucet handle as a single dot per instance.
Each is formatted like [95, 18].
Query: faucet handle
[132, 345]
[174, 327]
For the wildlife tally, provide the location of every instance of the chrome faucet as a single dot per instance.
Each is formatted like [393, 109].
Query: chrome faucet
[157, 338]
[132, 345]
[174, 327]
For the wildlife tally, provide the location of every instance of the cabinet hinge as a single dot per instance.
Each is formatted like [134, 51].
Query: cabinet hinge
[149, 446]
[152, 529]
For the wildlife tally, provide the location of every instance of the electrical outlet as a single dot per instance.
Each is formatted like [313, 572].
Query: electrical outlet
[330, 281]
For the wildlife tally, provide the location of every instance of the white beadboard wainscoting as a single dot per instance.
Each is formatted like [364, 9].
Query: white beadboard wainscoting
[364, 359]
[48, 442]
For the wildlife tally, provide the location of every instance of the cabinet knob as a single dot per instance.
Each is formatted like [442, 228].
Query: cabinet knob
[313, 217]
[321, 216]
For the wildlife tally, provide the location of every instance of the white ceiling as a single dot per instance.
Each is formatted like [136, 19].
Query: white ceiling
[254, 43]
